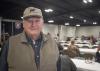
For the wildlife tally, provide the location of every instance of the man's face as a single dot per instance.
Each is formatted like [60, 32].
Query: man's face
[33, 26]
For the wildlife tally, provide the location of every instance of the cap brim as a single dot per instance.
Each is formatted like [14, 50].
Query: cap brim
[32, 16]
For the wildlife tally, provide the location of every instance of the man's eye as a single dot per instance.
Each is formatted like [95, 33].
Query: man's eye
[37, 20]
[30, 21]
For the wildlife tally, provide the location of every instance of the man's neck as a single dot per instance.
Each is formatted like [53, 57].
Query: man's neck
[34, 37]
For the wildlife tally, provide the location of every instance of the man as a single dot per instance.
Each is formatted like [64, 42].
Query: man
[72, 50]
[31, 50]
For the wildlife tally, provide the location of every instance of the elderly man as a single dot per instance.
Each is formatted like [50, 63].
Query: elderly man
[31, 50]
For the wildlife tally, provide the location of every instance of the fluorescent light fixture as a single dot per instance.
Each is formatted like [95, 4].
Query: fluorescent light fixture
[85, 1]
[48, 10]
[84, 20]
[90, 1]
[21, 17]
[71, 17]
[51, 21]
[99, 11]
[94, 22]
[66, 23]
[77, 25]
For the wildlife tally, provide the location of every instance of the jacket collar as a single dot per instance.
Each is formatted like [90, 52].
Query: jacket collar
[24, 38]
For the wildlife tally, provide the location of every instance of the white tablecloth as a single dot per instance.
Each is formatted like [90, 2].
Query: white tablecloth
[86, 50]
[80, 45]
[86, 67]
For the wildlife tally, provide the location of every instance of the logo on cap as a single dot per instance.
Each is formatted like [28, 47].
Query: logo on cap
[31, 10]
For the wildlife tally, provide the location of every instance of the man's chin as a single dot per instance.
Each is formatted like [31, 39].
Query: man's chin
[34, 33]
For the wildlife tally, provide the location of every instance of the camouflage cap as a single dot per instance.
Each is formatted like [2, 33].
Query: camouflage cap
[32, 11]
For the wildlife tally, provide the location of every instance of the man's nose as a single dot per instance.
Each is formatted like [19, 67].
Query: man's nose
[33, 23]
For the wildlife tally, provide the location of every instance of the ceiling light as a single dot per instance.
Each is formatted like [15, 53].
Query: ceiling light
[90, 1]
[84, 20]
[66, 23]
[77, 25]
[51, 21]
[99, 11]
[71, 17]
[48, 10]
[94, 22]
[85, 1]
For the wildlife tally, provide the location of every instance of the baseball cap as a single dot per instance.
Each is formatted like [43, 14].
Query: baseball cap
[32, 12]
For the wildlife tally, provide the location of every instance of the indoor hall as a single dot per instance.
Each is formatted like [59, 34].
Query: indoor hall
[53, 35]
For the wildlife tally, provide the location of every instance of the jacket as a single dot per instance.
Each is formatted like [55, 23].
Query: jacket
[18, 55]
[21, 54]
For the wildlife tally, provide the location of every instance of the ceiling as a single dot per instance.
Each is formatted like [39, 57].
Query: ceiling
[13, 9]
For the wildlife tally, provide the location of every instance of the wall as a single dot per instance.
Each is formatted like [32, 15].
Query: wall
[64, 31]
[71, 31]
[67, 31]
[52, 29]
[88, 31]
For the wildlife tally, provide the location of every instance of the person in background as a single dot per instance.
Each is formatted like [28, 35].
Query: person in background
[32, 50]
[72, 50]
[98, 54]
[60, 47]
[82, 37]
[92, 40]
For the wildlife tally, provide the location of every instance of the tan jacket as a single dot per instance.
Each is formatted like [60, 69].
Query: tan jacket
[21, 54]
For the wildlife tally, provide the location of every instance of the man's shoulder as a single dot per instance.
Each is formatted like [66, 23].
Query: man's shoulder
[16, 36]
[49, 37]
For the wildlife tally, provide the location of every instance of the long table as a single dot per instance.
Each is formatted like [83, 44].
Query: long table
[86, 50]
[82, 66]
[80, 45]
